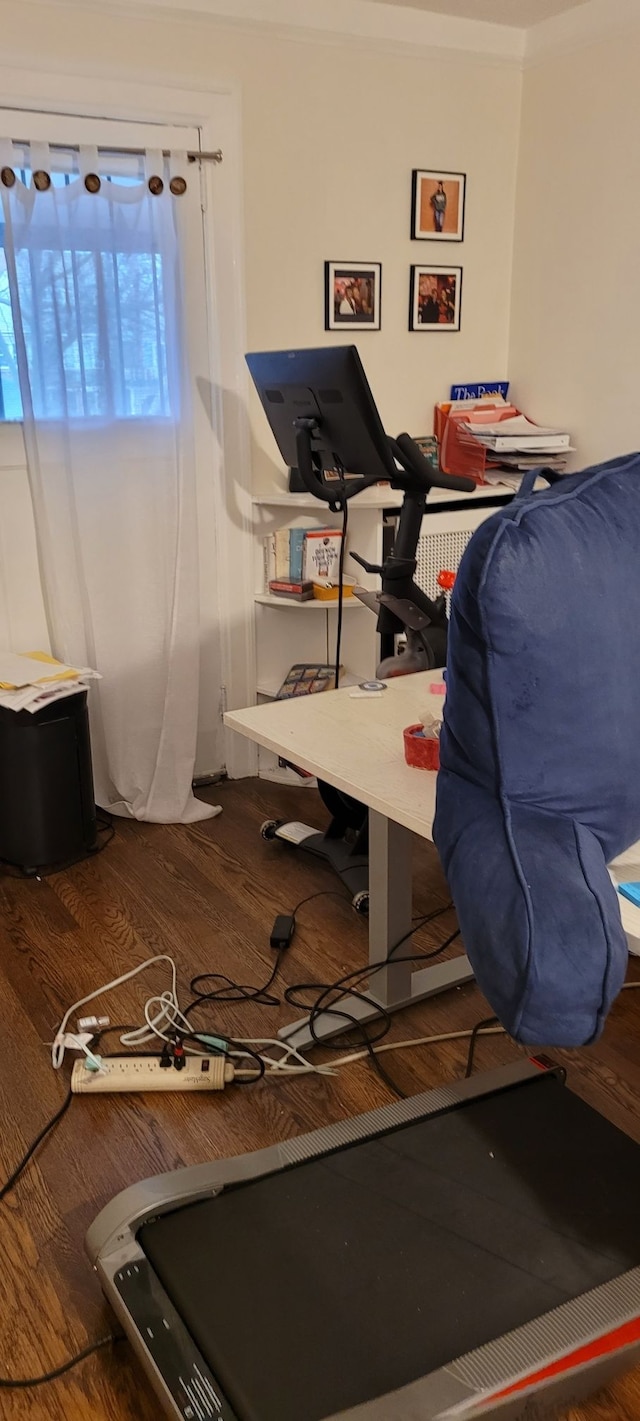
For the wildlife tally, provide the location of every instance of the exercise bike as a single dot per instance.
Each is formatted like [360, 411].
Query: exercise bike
[401, 607]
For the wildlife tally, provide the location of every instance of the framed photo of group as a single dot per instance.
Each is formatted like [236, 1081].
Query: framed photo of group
[437, 205]
[352, 295]
[435, 298]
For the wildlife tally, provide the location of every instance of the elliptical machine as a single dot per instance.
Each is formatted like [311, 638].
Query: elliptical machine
[325, 447]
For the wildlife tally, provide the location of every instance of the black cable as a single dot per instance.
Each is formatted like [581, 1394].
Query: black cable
[21, 1383]
[343, 547]
[123, 1027]
[203, 1038]
[233, 991]
[46, 1130]
[105, 826]
[348, 986]
[384, 1075]
[361, 973]
[323, 893]
[479, 1026]
[345, 986]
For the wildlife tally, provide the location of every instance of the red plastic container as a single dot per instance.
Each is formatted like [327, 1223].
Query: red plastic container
[421, 751]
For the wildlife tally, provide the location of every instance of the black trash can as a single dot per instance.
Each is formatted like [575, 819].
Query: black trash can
[47, 807]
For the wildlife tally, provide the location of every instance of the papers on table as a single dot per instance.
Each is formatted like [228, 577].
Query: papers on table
[503, 478]
[31, 681]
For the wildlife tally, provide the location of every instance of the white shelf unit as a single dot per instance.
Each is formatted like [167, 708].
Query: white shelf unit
[288, 631]
[384, 498]
[302, 502]
[269, 599]
[283, 639]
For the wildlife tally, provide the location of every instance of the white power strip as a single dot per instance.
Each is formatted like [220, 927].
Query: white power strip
[142, 1073]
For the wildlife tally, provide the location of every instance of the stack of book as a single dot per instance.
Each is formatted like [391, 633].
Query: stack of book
[296, 558]
[514, 443]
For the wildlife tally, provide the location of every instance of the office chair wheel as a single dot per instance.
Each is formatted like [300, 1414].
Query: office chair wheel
[360, 903]
[269, 828]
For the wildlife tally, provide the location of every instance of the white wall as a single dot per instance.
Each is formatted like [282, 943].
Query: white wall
[331, 131]
[576, 293]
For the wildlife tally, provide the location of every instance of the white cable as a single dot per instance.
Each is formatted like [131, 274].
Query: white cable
[309, 1069]
[58, 1048]
[167, 1015]
[284, 1065]
[420, 1041]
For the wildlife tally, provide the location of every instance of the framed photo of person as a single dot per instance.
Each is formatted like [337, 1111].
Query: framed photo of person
[435, 298]
[352, 295]
[437, 205]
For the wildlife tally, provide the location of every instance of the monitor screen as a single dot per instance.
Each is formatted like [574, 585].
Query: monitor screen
[330, 386]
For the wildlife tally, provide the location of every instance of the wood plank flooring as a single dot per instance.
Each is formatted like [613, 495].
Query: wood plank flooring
[206, 894]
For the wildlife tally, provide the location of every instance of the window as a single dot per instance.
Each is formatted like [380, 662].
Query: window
[10, 402]
[105, 307]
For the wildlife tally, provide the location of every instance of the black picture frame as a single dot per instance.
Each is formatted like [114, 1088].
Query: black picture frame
[425, 184]
[427, 309]
[361, 282]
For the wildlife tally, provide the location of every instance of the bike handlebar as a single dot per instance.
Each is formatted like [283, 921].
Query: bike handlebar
[431, 478]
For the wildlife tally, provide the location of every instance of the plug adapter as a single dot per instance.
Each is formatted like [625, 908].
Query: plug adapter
[282, 932]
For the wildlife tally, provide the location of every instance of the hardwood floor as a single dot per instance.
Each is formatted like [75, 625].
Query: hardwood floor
[207, 894]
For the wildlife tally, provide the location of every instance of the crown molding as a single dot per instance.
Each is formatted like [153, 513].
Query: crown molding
[581, 27]
[395, 27]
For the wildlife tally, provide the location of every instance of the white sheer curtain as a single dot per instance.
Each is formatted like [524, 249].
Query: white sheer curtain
[103, 369]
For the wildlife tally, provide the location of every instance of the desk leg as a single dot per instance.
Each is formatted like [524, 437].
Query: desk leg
[390, 905]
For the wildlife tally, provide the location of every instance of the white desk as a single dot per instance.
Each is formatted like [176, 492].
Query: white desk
[356, 746]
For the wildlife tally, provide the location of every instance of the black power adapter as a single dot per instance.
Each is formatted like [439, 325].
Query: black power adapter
[282, 932]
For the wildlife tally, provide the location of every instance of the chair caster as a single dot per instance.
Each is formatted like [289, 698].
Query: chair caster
[269, 829]
[360, 903]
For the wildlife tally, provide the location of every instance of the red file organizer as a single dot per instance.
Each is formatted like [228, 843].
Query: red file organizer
[460, 453]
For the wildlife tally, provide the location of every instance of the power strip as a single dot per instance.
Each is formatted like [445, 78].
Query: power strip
[142, 1073]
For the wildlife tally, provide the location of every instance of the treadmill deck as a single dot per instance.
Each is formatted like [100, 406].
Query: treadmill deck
[342, 1278]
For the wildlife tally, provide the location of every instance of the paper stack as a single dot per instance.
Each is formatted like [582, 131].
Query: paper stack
[32, 680]
[514, 443]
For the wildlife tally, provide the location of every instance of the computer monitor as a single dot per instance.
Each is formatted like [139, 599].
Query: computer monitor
[327, 386]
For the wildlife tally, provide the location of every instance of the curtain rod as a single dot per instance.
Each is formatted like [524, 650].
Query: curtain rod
[214, 157]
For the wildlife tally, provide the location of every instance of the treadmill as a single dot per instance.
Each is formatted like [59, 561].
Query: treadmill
[473, 1252]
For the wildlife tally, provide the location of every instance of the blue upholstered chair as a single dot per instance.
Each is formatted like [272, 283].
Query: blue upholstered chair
[540, 752]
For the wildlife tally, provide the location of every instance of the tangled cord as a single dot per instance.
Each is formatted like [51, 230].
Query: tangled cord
[329, 995]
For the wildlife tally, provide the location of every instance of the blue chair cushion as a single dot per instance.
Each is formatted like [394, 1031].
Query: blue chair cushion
[539, 786]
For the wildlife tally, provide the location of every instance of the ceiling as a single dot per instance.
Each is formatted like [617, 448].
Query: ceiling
[519, 13]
